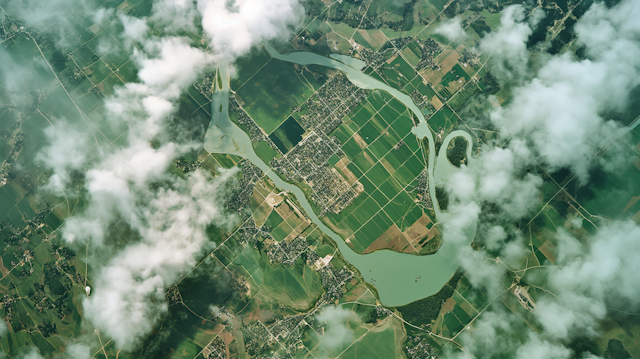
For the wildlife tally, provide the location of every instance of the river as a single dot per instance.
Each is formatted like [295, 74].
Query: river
[393, 274]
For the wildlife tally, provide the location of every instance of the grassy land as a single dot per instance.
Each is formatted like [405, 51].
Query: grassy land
[271, 93]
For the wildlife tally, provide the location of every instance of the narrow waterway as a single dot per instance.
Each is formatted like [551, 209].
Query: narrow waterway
[393, 274]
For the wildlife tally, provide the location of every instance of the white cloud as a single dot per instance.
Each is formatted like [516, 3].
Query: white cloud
[67, 150]
[507, 46]
[77, 351]
[559, 111]
[129, 186]
[128, 296]
[337, 332]
[452, 29]
[235, 26]
[173, 64]
[135, 29]
[554, 117]
[537, 348]
[497, 175]
[58, 17]
[177, 15]
[30, 353]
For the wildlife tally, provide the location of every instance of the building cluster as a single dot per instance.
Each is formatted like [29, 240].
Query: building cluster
[307, 156]
[288, 329]
[257, 338]
[188, 166]
[383, 312]
[248, 233]
[422, 190]
[239, 201]
[308, 161]
[14, 137]
[331, 191]
[13, 29]
[333, 101]
[287, 253]
[16, 234]
[40, 298]
[76, 75]
[420, 100]
[469, 58]
[333, 281]
[377, 59]
[47, 328]
[429, 49]
[173, 296]
[7, 304]
[374, 59]
[398, 43]
[205, 84]
[216, 349]
[418, 348]
[524, 298]
[281, 339]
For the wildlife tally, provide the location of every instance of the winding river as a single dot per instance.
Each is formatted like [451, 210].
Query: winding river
[393, 274]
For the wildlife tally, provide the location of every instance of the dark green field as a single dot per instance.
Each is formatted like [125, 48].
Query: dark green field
[287, 135]
[271, 93]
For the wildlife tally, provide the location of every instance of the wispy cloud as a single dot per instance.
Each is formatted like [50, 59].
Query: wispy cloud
[127, 187]
[554, 119]
[235, 26]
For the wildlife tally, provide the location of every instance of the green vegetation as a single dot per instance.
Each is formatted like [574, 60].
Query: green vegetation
[457, 154]
[271, 94]
[442, 121]
[443, 198]
[375, 344]
[264, 151]
[287, 135]
[242, 274]
[615, 350]
[455, 74]
[609, 192]
[274, 220]
[424, 311]
[248, 65]
[298, 287]
[480, 27]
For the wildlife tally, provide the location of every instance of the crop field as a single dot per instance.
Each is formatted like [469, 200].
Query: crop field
[385, 157]
[271, 93]
[609, 192]
[457, 72]
[379, 342]
[248, 65]
[562, 202]
[443, 120]
[463, 95]
[297, 287]
[398, 73]
[265, 152]
[287, 135]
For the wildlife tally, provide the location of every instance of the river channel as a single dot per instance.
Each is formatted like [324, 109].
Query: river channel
[399, 278]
